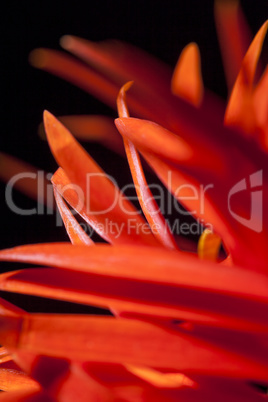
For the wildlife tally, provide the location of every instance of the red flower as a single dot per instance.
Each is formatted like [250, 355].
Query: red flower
[186, 326]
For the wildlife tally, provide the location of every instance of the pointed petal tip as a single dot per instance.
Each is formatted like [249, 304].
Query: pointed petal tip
[187, 81]
[56, 133]
[127, 86]
[47, 115]
[49, 119]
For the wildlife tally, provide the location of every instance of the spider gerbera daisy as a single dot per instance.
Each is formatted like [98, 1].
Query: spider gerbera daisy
[184, 326]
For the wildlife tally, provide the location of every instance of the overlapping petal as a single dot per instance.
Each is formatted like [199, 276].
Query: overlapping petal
[186, 328]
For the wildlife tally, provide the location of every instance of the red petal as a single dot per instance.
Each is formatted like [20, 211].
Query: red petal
[122, 62]
[234, 37]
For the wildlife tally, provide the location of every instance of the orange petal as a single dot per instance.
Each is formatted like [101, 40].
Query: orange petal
[260, 102]
[148, 264]
[240, 112]
[4, 355]
[149, 136]
[164, 111]
[187, 79]
[234, 36]
[121, 62]
[92, 128]
[162, 380]
[91, 81]
[7, 308]
[101, 197]
[75, 231]
[75, 198]
[146, 299]
[11, 380]
[148, 204]
[128, 341]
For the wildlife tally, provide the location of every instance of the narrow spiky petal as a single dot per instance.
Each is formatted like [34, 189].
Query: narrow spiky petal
[92, 128]
[122, 62]
[234, 36]
[93, 82]
[187, 78]
[147, 135]
[97, 193]
[260, 105]
[168, 110]
[185, 328]
[149, 206]
[70, 69]
[75, 231]
[240, 112]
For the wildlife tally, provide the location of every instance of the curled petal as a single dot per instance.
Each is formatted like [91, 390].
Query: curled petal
[149, 206]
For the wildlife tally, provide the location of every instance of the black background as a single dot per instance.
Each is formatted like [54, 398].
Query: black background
[162, 28]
